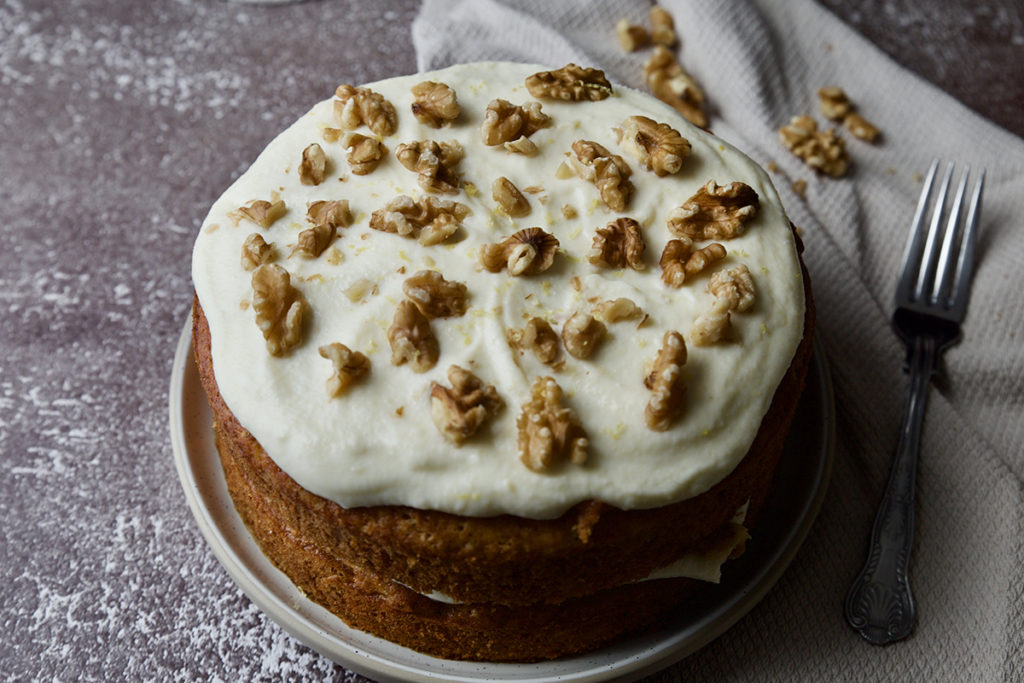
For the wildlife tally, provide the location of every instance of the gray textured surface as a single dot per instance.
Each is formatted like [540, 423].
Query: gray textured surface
[121, 122]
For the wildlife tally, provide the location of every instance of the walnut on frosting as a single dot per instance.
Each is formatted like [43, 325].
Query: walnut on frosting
[657, 146]
[331, 212]
[262, 212]
[280, 308]
[537, 336]
[617, 310]
[715, 212]
[608, 172]
[435, 104]
[435, 296]
[313, 241]
[526, 252]
[507, 123]
[572, 83]
[668, 391]
[509, 198]
[620, 244]
[458, 412]
[256, 252]
[411, 338]
[313, 165]
[549, 433]
[358, 106]
[431, 220]
[734, 292]
[364, 153]
[348, 366]
[671, 84]
[433, 162]
[680, 261]
[582, 334]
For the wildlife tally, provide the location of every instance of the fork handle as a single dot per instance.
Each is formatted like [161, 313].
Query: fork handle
[880, 605]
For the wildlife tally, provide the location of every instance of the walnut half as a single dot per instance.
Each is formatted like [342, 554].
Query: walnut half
[571, 82]
[582, 334]
[734, 291]
[411, 338]
[666, 383]
[549, 433]
[357, 106]
[279, 307]
[348, 366]
[313, 166]
[434, 163]
[435, 296]
[679, 261]
[261, 212]
[715, 212]
[657, 146]
[364, 153]
[430, 219]
[620, 244]
[459, 412]
[538, 337]
[608, 172]
[256, 252]
[435, 104]
[526, 252]
[505, 122]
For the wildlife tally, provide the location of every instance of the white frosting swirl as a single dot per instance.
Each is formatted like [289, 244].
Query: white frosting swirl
[377, 444]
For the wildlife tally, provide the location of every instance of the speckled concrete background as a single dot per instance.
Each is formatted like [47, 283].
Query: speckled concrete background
[121, 122]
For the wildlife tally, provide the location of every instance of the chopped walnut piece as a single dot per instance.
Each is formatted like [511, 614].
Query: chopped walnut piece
[736, 285]
[657, 146]
[671, 84]
[364, 153]
[679, 261]
[582, 334]
[313, 241]
[569, 211]
[549, 433]
[334, 213]
[434, 163]
[538, 337]
[666, 383]
[506, 122]
[435, 296]
[571, 82]
[411, 338]
[715, 212]
[620, 244]
[256, 252]
[435, 104]
[262, 212]
[431, 219]
[526, 252]
[522, 145]
[861, 128]
[617, 310]
[713, 325]
[358, 106]
[279, 308]
[663, 29]
[313, 167]
[834, 103]
[348, 365]
[631, 36]
[459, 412]
[509, 198]
[823, 151]
[607, 171]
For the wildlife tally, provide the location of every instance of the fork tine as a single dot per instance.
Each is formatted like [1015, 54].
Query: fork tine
[912, 252]
[927, 272]
[965, 264]
[944, 270]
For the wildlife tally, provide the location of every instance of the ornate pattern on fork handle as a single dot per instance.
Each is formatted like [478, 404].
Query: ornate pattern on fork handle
[880, 605]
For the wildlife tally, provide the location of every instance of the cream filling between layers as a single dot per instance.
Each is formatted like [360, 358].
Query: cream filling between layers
[377, 444]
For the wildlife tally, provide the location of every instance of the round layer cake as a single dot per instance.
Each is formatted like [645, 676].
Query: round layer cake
[501, 358]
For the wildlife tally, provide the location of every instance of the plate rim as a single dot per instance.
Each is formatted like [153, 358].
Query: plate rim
[245, 567]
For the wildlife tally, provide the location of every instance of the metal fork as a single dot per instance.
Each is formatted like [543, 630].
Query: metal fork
[931, 299]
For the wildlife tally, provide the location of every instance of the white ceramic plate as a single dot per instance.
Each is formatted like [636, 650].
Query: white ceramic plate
[785, 521]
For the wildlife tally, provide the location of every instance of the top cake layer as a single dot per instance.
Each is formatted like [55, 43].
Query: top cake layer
[375, 441]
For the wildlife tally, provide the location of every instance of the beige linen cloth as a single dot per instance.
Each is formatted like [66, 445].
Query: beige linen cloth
[761, 63]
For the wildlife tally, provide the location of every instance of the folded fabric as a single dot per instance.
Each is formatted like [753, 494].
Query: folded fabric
[760, 64]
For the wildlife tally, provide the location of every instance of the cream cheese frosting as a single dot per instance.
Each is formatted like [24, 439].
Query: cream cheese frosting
[377, 443]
